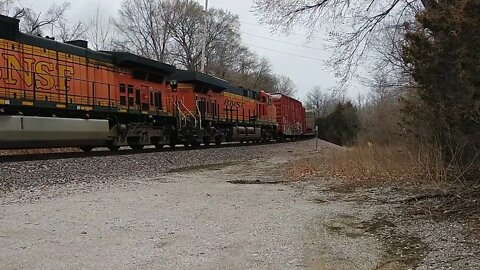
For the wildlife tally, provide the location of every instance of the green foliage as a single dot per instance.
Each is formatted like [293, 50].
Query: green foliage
[443, 53]
[341, 126]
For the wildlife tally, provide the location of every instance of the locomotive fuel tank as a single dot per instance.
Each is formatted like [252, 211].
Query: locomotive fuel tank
[241, 133]
[36, 132]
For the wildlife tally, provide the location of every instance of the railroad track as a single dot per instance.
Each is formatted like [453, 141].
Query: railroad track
[122, 152]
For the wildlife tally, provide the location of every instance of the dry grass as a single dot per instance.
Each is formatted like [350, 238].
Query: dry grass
[433, 192]
[369, 166]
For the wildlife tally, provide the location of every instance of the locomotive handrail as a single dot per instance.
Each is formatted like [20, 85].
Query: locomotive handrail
[183, 116]
[189, 112]
[199, 113]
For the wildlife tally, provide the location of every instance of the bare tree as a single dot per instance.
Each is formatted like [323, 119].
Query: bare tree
[223, 42]
[144, 28]
[224, 49]
[353, 25]
[68, 33]
[285, 85]
[244, 67]
[379, 112]
[253, 72]
[53, 22]
[37, 23]
[172, 31]
[262, 77]
[100, 31]
[322, 103]
[5, 7]
[10, 8]
[186, 30]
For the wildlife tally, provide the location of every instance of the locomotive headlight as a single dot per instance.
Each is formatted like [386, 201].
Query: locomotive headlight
[174, 84]
[2, 110]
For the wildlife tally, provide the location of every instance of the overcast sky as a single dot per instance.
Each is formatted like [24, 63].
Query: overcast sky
[290, 55]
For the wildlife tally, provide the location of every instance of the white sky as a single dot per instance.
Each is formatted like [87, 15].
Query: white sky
[305, 66]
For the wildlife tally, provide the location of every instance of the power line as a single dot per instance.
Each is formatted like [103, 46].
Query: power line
[287, 53]
[268, 28]
[280, 41]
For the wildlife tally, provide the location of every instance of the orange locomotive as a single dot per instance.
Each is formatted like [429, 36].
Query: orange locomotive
[55, 94]
[222, 112]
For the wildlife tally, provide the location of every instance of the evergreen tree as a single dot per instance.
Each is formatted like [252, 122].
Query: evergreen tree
[341, 126]
[443, 53]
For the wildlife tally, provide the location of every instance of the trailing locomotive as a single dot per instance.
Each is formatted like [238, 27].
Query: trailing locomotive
[210, 110]
[55, 94]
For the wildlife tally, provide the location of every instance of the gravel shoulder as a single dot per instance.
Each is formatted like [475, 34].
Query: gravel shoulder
[183, 210]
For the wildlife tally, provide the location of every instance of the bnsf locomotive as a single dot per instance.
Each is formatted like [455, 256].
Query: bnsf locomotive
[55, 94]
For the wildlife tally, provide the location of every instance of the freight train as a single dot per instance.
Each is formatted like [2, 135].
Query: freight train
[55, 94]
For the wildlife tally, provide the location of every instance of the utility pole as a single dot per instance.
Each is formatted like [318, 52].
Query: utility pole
[204, 45]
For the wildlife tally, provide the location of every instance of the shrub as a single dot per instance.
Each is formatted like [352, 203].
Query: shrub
[341, 126]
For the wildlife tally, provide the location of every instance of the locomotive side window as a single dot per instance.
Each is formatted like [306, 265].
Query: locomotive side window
[158, 100]
[137, 97]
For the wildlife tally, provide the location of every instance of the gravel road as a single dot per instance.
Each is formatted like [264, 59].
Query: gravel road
[182, 210]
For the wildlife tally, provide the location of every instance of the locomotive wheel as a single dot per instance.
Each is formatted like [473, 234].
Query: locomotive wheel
[218, 140]
[137, 146]
[114, 148]
[86, 149]
[195, 143]
[206, 141]
[173, 139]
[159, 146]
